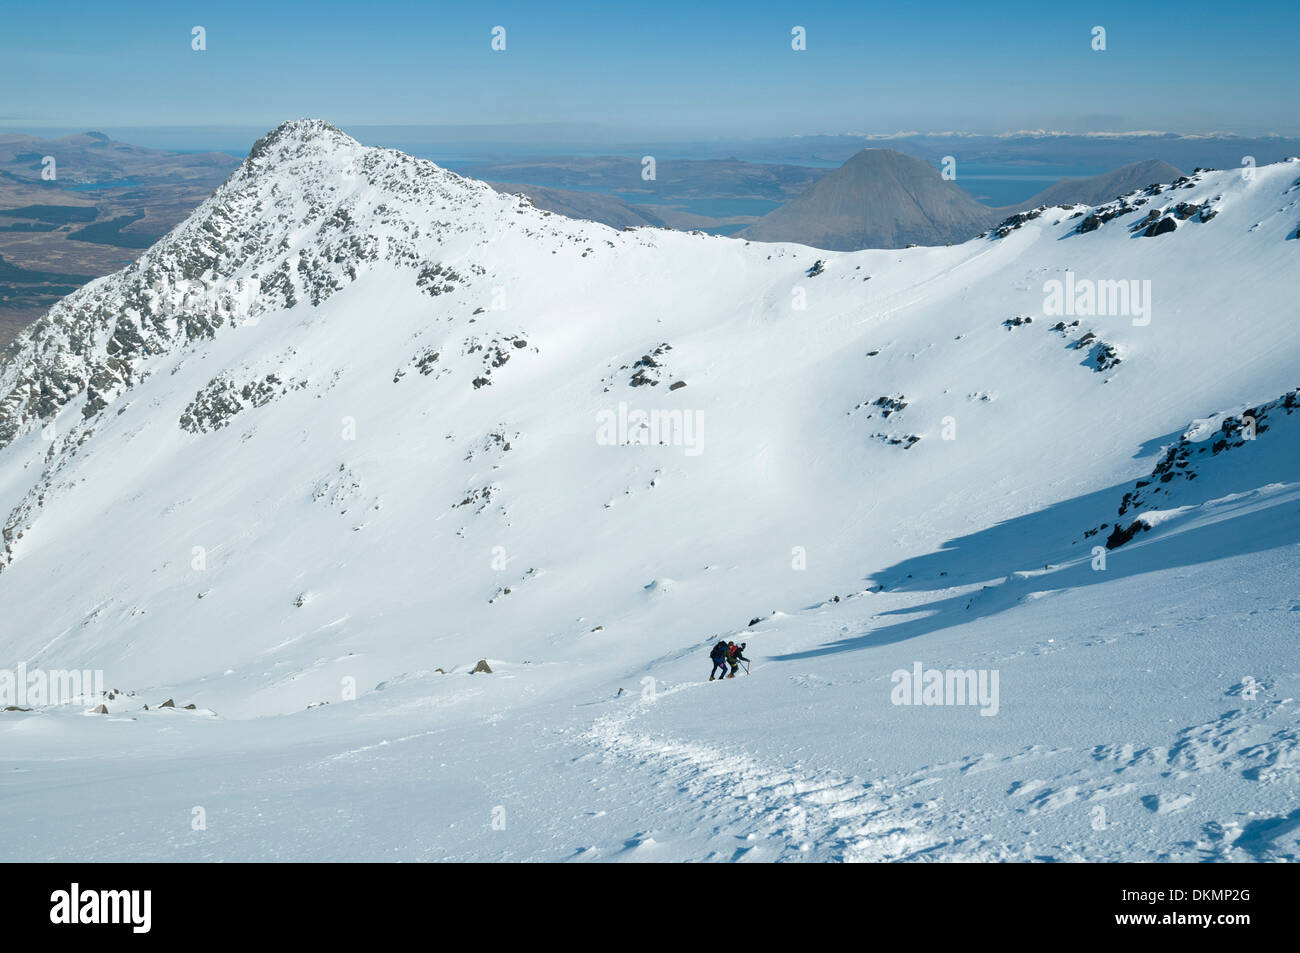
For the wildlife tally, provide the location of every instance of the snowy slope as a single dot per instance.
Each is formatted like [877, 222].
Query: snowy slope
[312, 437]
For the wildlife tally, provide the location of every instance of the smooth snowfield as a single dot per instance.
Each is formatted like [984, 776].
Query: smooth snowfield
[358, 522]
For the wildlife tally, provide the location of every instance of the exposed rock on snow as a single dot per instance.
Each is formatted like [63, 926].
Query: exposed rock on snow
[1195, 450]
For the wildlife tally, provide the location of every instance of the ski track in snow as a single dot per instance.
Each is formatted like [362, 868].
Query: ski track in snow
[819, 815]
[928, 815]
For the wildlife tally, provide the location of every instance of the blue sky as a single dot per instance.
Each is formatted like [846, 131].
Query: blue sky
[661, 68]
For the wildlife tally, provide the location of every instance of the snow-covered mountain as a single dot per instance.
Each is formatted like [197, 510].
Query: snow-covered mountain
[359, 422]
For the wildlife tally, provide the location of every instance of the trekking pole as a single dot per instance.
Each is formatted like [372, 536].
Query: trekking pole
[746, 668]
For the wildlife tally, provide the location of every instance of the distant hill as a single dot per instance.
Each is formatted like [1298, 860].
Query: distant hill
[125, 196]
[881, 198]
[878, 199]
[92, 158]
[674, 179]
[1100, 189]
[593, 206]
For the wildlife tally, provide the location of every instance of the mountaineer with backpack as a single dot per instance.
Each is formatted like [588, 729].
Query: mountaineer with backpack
[735, 656]
[719, 656]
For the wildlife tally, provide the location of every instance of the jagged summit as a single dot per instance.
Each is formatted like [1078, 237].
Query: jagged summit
[310, 146]
[297, 137]
[302, 130]
[307, 213]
